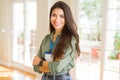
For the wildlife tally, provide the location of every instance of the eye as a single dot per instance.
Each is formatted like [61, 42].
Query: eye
[53, 15]
[61, 16]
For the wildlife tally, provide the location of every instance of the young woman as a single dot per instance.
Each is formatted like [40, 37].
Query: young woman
[58, 49]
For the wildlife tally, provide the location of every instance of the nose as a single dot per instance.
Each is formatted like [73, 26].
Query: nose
[57, 18]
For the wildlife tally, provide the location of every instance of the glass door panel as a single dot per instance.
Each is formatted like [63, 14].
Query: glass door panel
[18, 33]
[90, 39]
[30, 30]
[24, 31]
[112, 49]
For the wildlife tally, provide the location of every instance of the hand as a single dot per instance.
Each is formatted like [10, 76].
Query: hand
[36, 60]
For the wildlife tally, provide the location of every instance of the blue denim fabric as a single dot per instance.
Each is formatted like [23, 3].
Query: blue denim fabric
[65, 77]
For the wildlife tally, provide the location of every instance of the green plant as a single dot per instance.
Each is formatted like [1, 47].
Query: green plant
[117, 41]
[116, 46]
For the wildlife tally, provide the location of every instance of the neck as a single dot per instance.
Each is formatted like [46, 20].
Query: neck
[57, 32]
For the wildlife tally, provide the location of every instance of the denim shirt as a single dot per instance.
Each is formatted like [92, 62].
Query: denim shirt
[57, 67]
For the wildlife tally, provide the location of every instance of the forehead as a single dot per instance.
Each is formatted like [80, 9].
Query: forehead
[58, 11]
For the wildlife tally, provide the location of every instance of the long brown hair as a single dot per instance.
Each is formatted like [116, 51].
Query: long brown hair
[69, 30]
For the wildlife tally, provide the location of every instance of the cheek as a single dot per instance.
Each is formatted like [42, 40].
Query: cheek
[63, 22]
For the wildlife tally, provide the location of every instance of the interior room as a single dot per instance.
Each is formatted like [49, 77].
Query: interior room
[24, 23]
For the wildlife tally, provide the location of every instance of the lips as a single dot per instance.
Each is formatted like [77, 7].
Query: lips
[57, 24]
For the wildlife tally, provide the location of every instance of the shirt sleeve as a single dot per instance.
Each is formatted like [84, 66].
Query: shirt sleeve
[58, 66]
[36, 67]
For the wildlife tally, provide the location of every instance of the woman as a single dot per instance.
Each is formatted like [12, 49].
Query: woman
[58, 49]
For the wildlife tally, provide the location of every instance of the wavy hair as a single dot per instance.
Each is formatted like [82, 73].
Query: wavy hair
[69, 30]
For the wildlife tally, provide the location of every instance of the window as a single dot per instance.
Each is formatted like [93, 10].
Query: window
[90, 23]
[112, 49]
[24, 29]
[90, 28]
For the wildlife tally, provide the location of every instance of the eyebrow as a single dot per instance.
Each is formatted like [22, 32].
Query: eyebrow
[59, 14]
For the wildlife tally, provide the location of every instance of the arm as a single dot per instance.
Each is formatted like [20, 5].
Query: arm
[58, 66]
[44, 67]
[40, 55]
[53, 66]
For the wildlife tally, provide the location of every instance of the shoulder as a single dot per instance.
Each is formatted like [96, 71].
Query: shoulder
[46, 38]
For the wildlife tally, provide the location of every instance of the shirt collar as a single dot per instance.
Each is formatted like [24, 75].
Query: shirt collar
[52, 34]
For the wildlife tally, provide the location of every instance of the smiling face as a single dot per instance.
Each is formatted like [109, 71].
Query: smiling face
[57, 19]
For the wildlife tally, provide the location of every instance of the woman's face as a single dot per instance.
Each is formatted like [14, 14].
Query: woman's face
[57, 19]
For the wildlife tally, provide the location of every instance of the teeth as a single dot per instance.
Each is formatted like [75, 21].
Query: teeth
[57, 24]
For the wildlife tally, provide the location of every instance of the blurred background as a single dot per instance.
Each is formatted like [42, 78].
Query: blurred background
[24, 23]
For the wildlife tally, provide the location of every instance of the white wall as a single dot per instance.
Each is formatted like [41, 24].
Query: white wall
[4, 30]
[42, 20]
